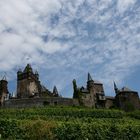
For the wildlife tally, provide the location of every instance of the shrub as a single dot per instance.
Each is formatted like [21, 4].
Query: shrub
[9, 129]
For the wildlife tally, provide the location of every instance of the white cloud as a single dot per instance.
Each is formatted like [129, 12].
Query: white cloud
[123, 5]
[70, 37]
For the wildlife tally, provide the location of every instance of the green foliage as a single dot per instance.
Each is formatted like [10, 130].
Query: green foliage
[38, 130]
[97, 131]
[71, 123]
[75, 95]
[134, 114]
[60, 111]
[9, 129]
[129, 107]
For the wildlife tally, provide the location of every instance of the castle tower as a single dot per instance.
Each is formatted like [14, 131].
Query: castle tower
[28, 84]
[3, 90]
[90, 84]
[96, 92]
[127, 99]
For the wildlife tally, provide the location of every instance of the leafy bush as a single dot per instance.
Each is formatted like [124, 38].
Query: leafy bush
[71, 123]
[9, 129]
[94, 131]
[135, 114]
[38, 130]
[58, 111]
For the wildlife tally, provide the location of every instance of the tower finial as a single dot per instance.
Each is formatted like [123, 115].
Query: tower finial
[89, 77]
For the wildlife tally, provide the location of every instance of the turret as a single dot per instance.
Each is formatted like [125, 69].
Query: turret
[90, 83]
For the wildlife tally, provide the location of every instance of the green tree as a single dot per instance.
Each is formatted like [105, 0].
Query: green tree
[75, 91]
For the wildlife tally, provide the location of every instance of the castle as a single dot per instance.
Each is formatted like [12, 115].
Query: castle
[30, 92]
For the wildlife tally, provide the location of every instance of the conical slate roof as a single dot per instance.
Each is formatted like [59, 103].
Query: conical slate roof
[89, 77]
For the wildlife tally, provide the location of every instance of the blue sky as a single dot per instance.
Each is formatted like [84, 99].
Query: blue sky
[66, 39]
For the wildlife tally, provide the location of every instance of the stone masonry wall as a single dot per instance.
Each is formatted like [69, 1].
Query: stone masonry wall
[40, 102]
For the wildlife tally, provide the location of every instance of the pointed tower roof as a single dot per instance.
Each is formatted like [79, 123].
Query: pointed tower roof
[115, 88]
[89, 77]
[55, 91]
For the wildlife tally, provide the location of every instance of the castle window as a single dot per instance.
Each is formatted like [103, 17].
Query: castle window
[46, 103]
[55, 103]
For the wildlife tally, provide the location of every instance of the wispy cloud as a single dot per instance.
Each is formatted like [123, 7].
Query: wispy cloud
[66, 39]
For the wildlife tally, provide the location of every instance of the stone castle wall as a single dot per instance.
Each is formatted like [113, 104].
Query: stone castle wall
[110, 101]
[98, 88]
[39, 102]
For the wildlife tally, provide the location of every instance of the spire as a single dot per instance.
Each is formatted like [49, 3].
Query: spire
[4, 78]
[55, 91]
[89, 77]
[115, 88]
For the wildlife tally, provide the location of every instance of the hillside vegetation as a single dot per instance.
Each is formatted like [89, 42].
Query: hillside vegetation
[69, 123]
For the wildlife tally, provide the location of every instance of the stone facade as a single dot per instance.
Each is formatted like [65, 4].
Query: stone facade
[40, 102]
[28, 85]
[110, 102]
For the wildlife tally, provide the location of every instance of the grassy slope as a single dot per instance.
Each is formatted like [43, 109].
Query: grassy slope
[68, 123]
